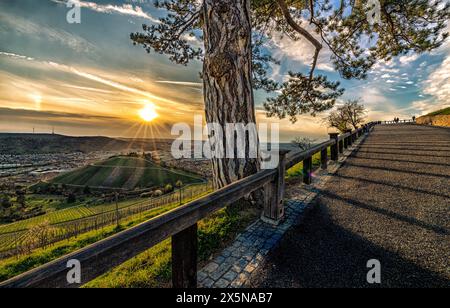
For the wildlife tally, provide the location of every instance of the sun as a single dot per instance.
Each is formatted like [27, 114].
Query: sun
[36, 98]
[148, 113]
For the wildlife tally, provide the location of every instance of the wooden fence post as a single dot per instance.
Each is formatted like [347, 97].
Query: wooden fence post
[324, 159]
[273, 212]
[184, 258]
[307, 170]
[335, 147]
[349, 139]
[341, 146]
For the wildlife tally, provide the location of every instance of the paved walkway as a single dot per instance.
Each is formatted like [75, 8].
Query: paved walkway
[390, 201]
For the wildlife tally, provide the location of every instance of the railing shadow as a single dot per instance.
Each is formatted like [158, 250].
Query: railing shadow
[397, 186]
[322, 254]
[390, 169]
[404, 154]
[355, 155]
[391, 214]
[429, 149]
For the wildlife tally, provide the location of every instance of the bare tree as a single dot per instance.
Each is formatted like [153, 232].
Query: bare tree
[355, 112]
[348, 116]
[303, 143]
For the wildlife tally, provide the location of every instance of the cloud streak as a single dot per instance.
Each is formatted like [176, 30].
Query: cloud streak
[35, 30]
[124, 9]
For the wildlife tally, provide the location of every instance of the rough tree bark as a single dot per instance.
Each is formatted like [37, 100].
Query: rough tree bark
[227, 79]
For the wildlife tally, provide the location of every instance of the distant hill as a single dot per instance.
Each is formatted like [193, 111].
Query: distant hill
[49, 143]
[445, 111]
[437, 118]
[125, 173]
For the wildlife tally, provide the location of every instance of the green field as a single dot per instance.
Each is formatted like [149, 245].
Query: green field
[68, 214]
[124, 173]
[445, 111]
[151, 268]
[86, 216]
[297, 170]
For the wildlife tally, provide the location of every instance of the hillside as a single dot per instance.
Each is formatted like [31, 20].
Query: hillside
[437, 118]
[124, 173]
[445, 111]
[49, 143]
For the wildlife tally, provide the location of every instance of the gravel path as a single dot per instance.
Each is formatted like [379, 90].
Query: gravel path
[390, 201]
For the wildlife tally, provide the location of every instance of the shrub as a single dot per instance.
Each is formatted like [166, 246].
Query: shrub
[179, 184]
[71, 198]
[168, 188]
[158, 193]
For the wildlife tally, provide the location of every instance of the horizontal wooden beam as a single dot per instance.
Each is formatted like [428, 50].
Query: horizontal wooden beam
[296, 157]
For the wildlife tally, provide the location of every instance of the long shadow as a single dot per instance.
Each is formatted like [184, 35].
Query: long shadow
[445, 176]
[321, 254]
[404, 154]
[415, 190]
[355, 155]
[391, 214]
[368, 146]
[419, 144]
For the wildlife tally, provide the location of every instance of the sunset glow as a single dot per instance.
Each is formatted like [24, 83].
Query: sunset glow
[148, 113]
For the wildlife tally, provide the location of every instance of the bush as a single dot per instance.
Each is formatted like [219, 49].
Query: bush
[87, 190]
[71, 198]
[158, 193]
[5, 202]
[179, 184]
[168, 188]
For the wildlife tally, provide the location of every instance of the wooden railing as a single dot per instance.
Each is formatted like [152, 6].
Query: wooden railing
[398, 122]
[181, 224]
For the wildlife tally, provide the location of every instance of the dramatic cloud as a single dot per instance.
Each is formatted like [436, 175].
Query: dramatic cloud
[438, 83]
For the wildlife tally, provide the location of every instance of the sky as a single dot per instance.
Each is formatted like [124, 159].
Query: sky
[89, 79]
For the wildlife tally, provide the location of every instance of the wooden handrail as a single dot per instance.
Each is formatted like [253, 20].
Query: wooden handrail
[295, 157]
[180, 224]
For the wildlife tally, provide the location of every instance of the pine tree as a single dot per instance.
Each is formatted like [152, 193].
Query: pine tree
[236, 60]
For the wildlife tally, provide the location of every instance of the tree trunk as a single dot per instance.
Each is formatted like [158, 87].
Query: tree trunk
[227, 76]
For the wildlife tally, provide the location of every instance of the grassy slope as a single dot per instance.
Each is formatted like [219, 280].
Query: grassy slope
[15, 266]
[73, 212]
[118, 172]
[445, 111]
[153, 267]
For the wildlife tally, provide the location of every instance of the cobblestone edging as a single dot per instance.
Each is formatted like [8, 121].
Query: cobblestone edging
[235, 264]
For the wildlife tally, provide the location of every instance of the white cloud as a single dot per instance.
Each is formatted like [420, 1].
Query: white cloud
[423, 107]
[438, 83]
[405, 60]
[124, 9]
[301, 50]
